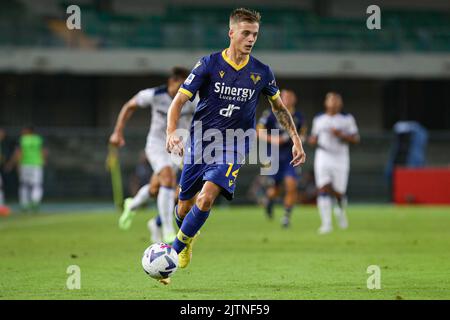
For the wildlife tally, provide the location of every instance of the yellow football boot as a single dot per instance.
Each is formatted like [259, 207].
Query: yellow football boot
[185, 256]
[165, 281]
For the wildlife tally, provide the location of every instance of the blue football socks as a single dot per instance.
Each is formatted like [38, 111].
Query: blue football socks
[193, 221]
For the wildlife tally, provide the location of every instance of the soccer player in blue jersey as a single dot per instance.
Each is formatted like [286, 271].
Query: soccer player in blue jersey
[229, 84]
[286, 173]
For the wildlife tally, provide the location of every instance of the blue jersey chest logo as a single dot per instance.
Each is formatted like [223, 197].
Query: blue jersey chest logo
[255, 77]
[234, 87]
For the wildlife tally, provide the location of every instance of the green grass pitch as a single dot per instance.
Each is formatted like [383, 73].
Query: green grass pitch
[240, 255]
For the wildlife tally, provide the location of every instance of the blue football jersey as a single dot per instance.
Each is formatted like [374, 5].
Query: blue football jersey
[269, 122]
[229, 94]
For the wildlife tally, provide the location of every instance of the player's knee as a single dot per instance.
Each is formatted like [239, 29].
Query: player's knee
[183, 208]
[153, 190]
[338, 195]
[205, 201]
[272, 192]
[165, 181]
[167, 177]
[291, 193]
[325, 189]
[291, 187]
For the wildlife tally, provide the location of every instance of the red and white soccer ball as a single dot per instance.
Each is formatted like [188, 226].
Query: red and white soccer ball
[160, 261]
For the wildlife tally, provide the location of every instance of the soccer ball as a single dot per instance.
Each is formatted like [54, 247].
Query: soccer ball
[160, 261]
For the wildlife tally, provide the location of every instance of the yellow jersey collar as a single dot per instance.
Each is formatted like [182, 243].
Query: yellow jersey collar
[237, 67]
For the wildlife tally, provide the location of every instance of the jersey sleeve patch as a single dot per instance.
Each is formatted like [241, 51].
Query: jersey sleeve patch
[189, 79]
[195, 79]
[271, 89]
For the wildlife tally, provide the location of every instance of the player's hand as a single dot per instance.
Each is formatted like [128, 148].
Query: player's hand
[298, 154]
[336, 132]
[174, 144]
[117, 139]
[312, 140]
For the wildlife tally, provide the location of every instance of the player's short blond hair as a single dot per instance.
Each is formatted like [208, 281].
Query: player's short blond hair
[244, 14]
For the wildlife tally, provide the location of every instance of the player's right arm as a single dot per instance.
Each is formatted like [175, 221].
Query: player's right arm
[126, 112]
[173, 141]
[186, 92]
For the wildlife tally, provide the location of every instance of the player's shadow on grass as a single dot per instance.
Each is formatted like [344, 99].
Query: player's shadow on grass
[197, 290]
[276, 286]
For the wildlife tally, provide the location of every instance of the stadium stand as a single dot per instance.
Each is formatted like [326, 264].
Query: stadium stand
[285, 29]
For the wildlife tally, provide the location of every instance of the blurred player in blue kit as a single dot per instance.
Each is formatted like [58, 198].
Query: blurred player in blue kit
[287, 174]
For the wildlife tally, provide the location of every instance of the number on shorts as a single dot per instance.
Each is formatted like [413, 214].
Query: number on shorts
[234, 173]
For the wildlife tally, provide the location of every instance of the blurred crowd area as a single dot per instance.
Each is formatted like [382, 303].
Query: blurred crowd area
[76, 166]
[305, 25]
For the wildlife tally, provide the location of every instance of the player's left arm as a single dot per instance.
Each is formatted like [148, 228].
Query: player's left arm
[303, 132]
[265, 125]
[285, 119]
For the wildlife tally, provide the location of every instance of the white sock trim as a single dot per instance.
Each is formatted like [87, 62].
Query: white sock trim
[141, 197]
[324, 204]
[166, 206]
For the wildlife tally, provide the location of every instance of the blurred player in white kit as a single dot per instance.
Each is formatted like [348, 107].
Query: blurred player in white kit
[332, 132]
[163, 182]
